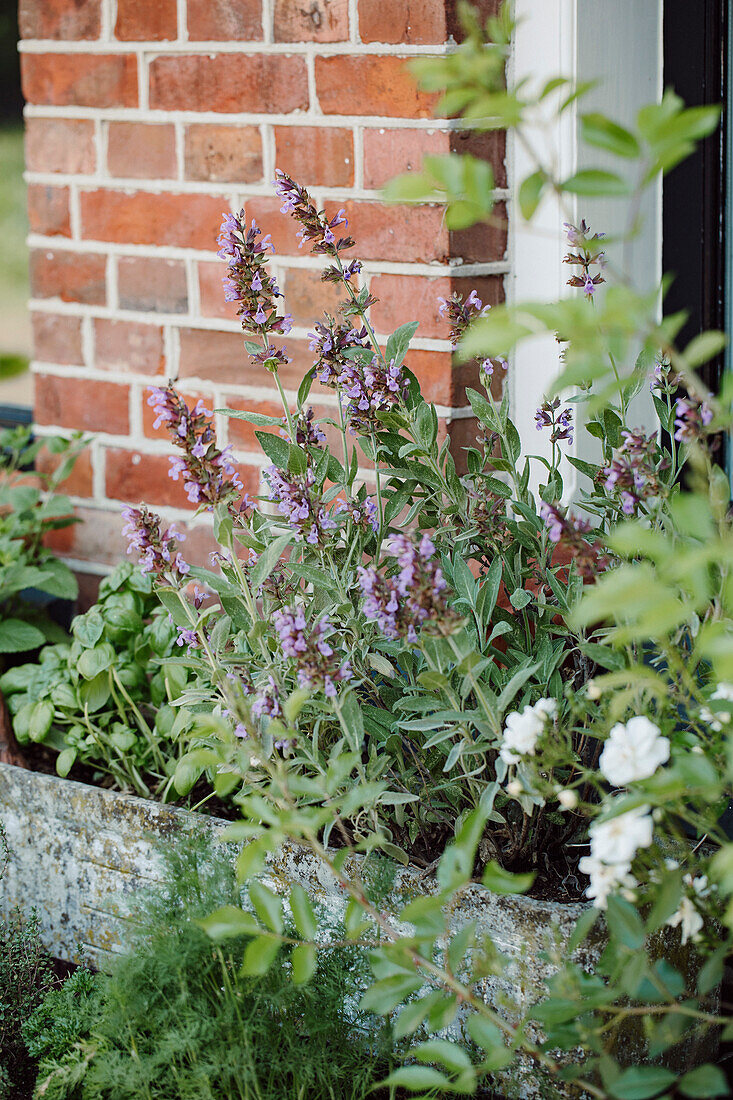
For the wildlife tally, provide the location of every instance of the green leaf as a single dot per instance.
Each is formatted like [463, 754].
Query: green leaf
[93, 661]
[252, 418]
[491, 1040]
[40, 720]
[303, 959]
[303, 916]
[530, 193]
[259, 955]
[417, 1078]
[641, 1082]
[267, 906]
[60, 581]
[95, 693]
[88, 629]
[229, 922]
[593, 181]
[399, 342]
[452, 1056]
[624, 923]
[499, 881]
[603, 133]
[519, 598]
[704, 1081]
[305, 387]
[275, 447]
[65, 762]
[705, 347]
[352, 720]
[268, 559]
[17, 636]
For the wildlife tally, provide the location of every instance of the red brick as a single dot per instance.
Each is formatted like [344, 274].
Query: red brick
[138, 150]
[405, 298]
[151, 284]
[229, 154]
[417, 22]
[307, 296]
[71, 276]
[313, 155]
[146, 20]
[59, 19]
[482, 8]
[60, 145]
[369, 85]
[149, 415]
[79, 481]
[187, 221]
[80, 80]
[434, 372]
[313, 21]
[132, 476]
[128, 347]
[215, 356]
[230, 82]
[402, 233]
[283, 228]
[83, 404]
[48, 210]
[482, 242]
[241, 432]
[224, 20]
[221, 357]
[56, 338]
[490, 146]
[388, 153]
[211, 292]
[97, 538]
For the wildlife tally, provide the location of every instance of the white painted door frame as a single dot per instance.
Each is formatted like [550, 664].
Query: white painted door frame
[618, 42]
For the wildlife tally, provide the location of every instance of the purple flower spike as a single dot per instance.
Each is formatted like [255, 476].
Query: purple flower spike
[587, 256]
[208, 474]
[158, 549]
[247, 281]
[561, 424]
[691, 419]
[576, 536]
[316, 661]
[413, 597]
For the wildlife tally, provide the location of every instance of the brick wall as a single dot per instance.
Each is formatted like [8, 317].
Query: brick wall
[148, 118]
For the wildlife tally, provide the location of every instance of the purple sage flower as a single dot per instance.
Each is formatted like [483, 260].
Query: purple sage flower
[158, 549]
[209, 474]
[587, 256]
[309, 647]
[691, 419]
[561, 424]
[575, 535]
[411, 598]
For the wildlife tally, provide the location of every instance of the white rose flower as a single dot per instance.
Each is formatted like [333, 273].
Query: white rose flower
[568, 800]
[520, 735]
[618, 840]
[546, 707]
[689, 920]
[633, 751]
[605, 879]
[716, 719]
[521, 731]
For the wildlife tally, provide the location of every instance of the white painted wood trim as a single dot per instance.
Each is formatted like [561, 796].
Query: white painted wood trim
[620, 43]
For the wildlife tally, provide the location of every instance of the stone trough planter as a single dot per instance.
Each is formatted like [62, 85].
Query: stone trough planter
[79, 853]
